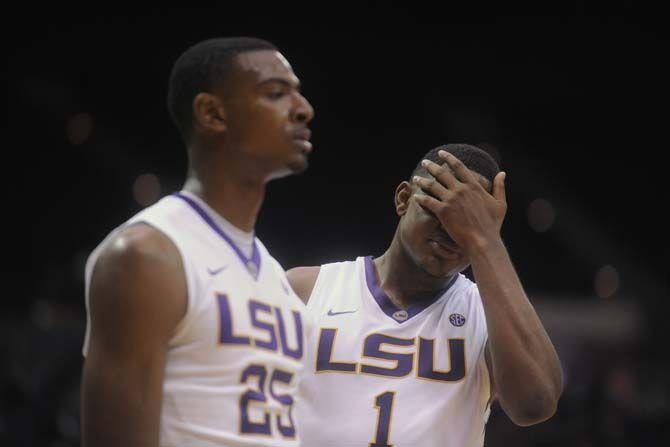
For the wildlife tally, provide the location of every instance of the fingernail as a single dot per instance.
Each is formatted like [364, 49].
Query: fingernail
[425, 163]
[442, 153]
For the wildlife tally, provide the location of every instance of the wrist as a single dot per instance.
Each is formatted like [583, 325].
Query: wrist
[485, 245]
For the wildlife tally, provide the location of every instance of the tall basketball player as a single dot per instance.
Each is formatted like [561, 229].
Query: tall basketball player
[194, 337]
[410, 352]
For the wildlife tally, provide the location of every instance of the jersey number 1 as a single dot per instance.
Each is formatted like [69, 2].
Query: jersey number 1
[384, 404]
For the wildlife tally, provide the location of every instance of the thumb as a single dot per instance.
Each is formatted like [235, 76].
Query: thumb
[499, 186]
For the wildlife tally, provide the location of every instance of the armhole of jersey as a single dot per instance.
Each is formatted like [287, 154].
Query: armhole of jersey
[315, 296]
[183, 324]
[189, 274]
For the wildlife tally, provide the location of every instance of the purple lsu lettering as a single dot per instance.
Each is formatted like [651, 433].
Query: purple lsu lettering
[276, 332]
[404, 362]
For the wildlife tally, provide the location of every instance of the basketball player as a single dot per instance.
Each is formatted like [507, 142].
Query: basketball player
[194, 337]
[410, 352]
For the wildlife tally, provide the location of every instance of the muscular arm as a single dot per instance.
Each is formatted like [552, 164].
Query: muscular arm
[526, 372]
[525, 368]
[302, 280]
[137, 296]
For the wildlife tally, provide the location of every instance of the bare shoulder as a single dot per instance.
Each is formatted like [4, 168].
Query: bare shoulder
[138, 243]
[302, 280]
[137, 279]
[138, 252]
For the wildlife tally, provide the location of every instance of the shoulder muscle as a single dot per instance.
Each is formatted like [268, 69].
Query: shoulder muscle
[138, 288]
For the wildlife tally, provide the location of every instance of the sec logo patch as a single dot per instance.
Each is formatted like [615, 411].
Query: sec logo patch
[457, 320]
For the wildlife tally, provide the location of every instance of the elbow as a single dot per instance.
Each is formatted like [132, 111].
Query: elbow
[533, 409]
[532, 415]
[533, 401]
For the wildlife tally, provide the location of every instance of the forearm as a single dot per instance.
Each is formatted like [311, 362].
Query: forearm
[525, 366]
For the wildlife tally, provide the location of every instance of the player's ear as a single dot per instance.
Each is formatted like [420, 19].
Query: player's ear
[209, 113]
[402, 195]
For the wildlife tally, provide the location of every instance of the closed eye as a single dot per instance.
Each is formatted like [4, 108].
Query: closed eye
[276, 94]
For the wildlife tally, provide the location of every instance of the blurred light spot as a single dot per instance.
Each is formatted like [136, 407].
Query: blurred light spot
[620, 386]
[607, 281]
[78, 128]
[541, 215]
[146, 189]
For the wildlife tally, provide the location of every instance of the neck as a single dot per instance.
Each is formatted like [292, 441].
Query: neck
[402, 279]
[229, 189]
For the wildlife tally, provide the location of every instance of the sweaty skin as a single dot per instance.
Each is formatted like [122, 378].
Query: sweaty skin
[525, 372]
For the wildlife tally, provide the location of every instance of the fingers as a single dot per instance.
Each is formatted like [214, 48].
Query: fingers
[430, 203]
[441, 173]
[499, 187]
[461, 172]
[431, 187]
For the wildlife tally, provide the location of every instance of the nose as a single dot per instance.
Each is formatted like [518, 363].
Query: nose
[303, 112]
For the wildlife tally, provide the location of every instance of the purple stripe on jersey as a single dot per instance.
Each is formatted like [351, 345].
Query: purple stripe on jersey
[385, 303]
[255, 259]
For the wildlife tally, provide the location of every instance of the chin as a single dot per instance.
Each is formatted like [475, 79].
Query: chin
[290, 168]
[438, 267]
[298, 165]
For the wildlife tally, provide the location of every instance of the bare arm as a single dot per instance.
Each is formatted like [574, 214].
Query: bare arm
[137, 296]
[302, 280]
[525, 368]
[526, 371]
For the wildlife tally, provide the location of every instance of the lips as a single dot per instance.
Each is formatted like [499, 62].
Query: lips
[301, 138]
[302, 134]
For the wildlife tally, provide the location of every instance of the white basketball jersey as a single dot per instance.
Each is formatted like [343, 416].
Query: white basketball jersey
[235, 359]
[379, 376]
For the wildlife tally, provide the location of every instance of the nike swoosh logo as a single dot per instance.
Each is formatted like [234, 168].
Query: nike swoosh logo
[213, 272]
[332, 314]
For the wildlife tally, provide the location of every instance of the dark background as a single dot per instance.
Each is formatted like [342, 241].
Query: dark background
[572, 101]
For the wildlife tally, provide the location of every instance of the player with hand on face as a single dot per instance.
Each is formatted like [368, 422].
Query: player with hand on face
[194, 337]
[410, 352]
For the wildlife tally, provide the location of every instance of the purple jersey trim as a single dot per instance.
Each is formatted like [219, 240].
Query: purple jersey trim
[385, 303]
[255, 255]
